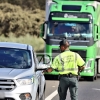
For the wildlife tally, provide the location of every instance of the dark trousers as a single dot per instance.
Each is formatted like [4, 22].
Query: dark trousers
[66, 83]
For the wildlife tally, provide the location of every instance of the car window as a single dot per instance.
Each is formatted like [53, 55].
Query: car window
[15, 58]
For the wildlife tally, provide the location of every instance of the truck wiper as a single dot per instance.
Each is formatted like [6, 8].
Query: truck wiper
[59, 37]
[78, 37]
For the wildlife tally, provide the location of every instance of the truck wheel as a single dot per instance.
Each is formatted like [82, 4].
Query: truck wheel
[91, 78]
[95, 70]
[98, 66]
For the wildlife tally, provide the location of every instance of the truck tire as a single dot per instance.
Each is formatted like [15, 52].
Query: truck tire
[95, 77]
[92, 78]
[98, 66]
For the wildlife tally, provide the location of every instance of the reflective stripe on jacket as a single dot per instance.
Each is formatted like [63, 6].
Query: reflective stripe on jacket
[67, 62]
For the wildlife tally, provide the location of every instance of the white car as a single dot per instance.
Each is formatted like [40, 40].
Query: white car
[21, 77]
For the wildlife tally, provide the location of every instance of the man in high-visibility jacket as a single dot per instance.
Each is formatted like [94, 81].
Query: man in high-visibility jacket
[67, 63]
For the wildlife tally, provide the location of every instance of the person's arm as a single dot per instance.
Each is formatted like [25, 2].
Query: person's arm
[81, 68]
[48, 70]
[54, 65]
[80, 63]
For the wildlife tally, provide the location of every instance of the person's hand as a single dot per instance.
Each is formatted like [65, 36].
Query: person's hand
[81, 69]
[48, 70]
[44, 71]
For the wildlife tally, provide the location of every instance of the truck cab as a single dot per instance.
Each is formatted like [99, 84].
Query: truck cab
[78, 22]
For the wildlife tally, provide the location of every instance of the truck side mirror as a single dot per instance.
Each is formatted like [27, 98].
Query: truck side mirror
[98, 29]
[96, 32]
[42, 27]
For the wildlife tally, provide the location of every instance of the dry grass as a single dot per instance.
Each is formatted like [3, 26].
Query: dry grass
[37, 43]
[13, 19]
[29, 4]
[19, 22]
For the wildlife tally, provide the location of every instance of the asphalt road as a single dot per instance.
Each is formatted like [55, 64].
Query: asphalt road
[87, 90]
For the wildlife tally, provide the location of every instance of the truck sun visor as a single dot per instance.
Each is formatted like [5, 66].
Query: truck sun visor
[70, 24]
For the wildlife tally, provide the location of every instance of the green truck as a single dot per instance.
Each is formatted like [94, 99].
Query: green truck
[79, 23]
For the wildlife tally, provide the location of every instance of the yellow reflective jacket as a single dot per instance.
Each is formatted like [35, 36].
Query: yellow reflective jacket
[67, 62]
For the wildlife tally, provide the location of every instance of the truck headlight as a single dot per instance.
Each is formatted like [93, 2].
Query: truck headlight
[88, 63]
[88, 71]
[25, 81]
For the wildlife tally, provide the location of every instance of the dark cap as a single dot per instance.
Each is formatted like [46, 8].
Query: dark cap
[64, 42]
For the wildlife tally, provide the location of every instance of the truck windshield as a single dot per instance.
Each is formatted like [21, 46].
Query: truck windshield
[70, 29]
[15, 58]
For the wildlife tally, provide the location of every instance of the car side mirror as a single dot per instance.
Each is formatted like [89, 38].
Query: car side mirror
[42, 66]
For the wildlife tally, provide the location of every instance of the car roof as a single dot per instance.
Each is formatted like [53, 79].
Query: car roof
[15, 45]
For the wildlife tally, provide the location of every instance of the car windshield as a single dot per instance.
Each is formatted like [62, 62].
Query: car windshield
[15, 58]
[69, 28]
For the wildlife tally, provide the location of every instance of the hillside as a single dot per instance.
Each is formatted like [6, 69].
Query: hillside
[21, 17]
[20, 21]
[29, 4]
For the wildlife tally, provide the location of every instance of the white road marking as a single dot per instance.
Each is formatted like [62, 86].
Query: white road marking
[96, 89]
[52, 95]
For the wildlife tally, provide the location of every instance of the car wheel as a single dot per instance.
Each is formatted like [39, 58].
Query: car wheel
[37, 96]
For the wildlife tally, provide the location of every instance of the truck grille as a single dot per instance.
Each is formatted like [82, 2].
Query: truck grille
[82, 53]
[55, 52]
[6, 84]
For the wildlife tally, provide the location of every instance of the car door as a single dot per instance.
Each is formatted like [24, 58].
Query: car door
[36, 77]
[41, 78]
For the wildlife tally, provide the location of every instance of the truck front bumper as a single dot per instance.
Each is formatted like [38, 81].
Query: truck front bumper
[89, 72]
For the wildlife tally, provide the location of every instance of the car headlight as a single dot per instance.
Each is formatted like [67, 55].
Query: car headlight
[26, 81]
